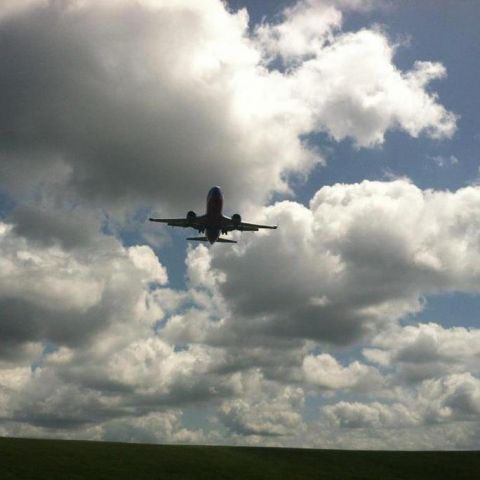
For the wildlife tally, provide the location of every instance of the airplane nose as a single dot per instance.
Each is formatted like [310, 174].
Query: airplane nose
[215, 192]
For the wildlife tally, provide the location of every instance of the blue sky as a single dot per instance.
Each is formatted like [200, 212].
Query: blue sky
[354, 325]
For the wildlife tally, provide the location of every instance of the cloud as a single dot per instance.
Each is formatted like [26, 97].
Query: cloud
[324, 371]
[137, 103]
[307, 26]
[48, 294]
[422, 351]
[304, 30]
[149, 127]
[47, 226]
[444, 161]
[454, 397]
[451, 398]
[162, 427]
[430, 378]
[380, 98]
[359, 258]
[119, 377]
[358, 415]
[43, 405]
[266, 409]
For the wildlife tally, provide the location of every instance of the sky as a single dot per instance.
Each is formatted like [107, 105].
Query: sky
[352, 124]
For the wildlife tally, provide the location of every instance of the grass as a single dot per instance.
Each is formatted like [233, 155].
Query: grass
[72, 460]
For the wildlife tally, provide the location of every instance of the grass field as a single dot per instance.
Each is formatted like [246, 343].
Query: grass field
[55, 459]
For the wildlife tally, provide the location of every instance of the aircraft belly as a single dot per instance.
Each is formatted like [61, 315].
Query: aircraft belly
[212, 234]
[214, 206]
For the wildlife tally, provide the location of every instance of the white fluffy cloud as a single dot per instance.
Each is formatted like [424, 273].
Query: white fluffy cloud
[451, 398]
[431, 378]
[325, 372]
[304, 30]
[422, 351]
[358, 415]
[266, 409]
[346, 97]
[48, 294]
[163, 427]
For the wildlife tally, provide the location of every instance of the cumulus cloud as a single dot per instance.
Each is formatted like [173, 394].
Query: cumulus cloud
[163, 427]
[379, 98]
[455, 397]
[430, 379]
[41, 405]
[304, 30]
[422, 351]
[46, 225]
[136, 103]
[358, 415]
[324, 371]
[123, 377]
[149, 126]
[48, 294]
[265, 408]
[357, 259]
[451, 398]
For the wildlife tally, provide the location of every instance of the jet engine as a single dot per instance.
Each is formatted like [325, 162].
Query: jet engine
[191, 216]
[236, 219]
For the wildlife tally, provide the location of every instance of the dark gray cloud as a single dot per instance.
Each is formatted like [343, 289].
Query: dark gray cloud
[49, 226]
[112, 92]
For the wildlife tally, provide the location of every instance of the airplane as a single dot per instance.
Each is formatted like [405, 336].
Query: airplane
[213, 223]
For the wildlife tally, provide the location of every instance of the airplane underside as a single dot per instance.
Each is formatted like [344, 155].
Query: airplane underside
[212, 234]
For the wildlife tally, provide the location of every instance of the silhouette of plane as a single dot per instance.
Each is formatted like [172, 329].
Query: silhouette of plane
[213, 223]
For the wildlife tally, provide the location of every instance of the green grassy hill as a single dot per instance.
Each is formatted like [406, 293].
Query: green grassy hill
[55, 459]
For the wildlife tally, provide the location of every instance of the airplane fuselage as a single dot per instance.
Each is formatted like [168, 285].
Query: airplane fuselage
[215, 218]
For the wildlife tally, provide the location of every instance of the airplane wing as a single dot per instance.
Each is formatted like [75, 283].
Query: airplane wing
[247, 227]
[254, 227]
[180, 222]
[198, 239]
